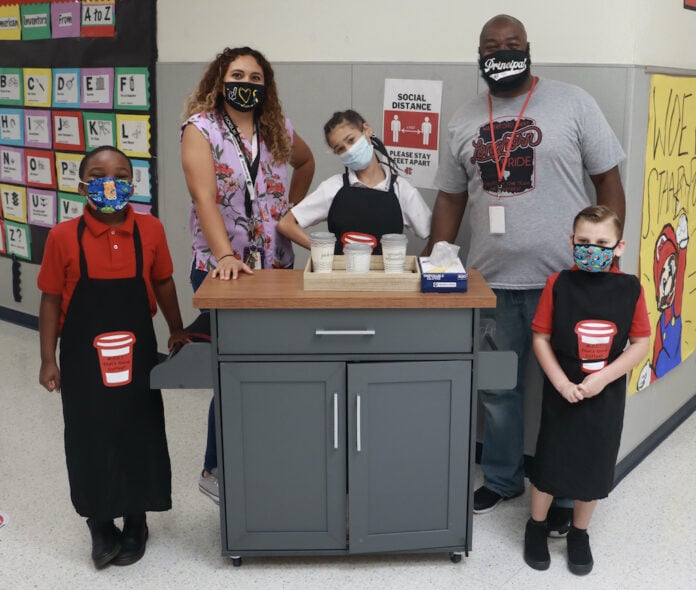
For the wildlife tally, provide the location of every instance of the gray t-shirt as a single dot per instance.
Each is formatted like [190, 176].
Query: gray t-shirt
[561, 134]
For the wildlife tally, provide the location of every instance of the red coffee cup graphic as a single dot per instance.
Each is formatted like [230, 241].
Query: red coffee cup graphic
[115, 357]
[594, 343]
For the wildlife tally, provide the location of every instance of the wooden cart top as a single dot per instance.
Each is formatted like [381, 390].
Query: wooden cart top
[283, 289]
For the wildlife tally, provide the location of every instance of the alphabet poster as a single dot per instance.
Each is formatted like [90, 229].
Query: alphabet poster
[411, 128]
[74, 75]
[667, 264]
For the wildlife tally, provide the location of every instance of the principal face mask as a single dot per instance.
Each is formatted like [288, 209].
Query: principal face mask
[244, 96]
[108, 195]
[505, 69]
[358, 157]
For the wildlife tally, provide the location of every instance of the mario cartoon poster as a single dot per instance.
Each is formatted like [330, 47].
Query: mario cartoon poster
[667, 268]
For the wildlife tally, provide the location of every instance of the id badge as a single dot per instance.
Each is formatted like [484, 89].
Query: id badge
[253, 258]
[496, 219]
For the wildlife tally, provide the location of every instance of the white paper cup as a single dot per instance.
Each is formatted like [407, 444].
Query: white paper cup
[322, 249]
[357, 257]
[394, 252]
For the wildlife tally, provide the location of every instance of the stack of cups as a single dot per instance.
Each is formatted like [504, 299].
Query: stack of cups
[357, 257]
[322, 246]
[394, 252]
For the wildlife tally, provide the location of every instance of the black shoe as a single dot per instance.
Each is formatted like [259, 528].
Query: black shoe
[536, 549]
[105, 541]
[486, 499]
[579, 555]
[133, 540]
[559, 520]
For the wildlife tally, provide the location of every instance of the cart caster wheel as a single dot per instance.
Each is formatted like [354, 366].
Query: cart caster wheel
[455, 557]
[237, 561]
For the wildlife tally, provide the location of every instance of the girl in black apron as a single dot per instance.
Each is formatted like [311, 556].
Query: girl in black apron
[115, 443]
[359, 212]
[596, 311]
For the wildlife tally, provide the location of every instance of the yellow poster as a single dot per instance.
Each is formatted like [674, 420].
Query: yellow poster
[667, 268]
[10, 28]
[37, 87]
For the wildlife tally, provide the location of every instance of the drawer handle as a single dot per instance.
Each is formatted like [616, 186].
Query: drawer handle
[335, 420]
[358, 430]
[319, 332]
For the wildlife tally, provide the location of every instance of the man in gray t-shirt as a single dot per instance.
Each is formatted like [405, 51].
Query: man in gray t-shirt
[523, 190]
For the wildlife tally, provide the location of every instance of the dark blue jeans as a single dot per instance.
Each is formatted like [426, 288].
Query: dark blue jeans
[502, 456]
[210, 458]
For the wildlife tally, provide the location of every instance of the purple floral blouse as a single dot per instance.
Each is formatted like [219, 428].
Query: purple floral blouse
[268, 208]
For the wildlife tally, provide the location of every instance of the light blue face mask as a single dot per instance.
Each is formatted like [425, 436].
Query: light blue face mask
[359, 156]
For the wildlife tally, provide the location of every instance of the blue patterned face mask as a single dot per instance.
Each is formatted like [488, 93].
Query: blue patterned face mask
[108, 195]
[593, 258]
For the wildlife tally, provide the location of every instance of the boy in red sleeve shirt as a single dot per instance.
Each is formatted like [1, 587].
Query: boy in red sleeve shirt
[101, 278]
[585, 318]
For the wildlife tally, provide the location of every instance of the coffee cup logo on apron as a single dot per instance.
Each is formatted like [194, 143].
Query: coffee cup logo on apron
[115, 357]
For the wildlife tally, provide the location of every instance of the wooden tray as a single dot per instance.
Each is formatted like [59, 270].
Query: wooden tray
[375, 280]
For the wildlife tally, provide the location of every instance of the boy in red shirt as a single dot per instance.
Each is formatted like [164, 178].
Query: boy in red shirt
[586, 316]
[101, 278]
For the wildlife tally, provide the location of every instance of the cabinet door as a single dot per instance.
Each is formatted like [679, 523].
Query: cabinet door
[408, 440]
[284, 461]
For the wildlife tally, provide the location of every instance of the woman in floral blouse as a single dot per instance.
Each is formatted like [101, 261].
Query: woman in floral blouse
[235, 135]
[235, 147]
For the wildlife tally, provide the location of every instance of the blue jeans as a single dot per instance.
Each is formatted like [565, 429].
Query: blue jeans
[210, 458]
[502, 457]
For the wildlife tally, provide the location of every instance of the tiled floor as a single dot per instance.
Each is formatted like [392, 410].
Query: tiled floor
[643, 536]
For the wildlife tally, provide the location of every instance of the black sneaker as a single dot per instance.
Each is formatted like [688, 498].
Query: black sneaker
[486, 499]
[559, 520]
[536, 549]
[579, 555]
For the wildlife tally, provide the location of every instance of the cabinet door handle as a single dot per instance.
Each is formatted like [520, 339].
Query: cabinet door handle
[335, 420]
[358, 432]
[320, 332]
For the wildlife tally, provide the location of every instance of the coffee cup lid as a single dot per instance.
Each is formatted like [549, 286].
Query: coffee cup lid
[322, 236]
[394, 238]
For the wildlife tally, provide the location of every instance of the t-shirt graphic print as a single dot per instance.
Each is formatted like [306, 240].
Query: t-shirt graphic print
[519, 171]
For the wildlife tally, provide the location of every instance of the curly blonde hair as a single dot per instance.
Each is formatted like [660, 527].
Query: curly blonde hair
[207, 97]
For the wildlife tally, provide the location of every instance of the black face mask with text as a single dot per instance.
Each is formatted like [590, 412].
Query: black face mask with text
[505, 69]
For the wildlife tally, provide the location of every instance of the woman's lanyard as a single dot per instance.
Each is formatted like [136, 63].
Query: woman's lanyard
[501, 169]
[250, 168]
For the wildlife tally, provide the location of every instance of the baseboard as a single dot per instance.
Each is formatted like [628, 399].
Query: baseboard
[20, 318]
[634, 458]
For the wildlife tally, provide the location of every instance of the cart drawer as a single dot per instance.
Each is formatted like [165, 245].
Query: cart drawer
[344, 331]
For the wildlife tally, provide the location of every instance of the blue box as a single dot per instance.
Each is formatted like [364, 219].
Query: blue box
[438, 280]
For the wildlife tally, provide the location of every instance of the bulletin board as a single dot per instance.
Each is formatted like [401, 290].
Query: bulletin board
[74, 75]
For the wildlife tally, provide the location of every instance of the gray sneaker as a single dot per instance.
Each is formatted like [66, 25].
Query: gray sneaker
[210, 486]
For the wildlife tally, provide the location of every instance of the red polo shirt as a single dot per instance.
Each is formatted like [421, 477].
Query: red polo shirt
[110, 254]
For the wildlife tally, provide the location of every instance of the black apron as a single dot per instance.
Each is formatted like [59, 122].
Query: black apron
[365, 210]
[115, 442]
[578, 443]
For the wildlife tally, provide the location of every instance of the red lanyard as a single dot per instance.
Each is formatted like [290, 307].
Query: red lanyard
[498, 167]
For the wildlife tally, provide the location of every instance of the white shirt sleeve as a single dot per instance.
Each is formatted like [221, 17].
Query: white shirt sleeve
[415, 211]
[314, 208]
